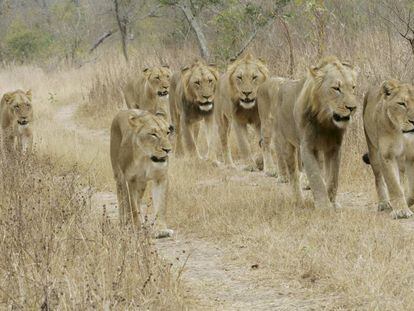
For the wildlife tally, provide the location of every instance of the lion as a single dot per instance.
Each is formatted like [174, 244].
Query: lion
[16, 116]
[389, 129]
[312, 116]
[267, 95]
[236, 103]
[191, 101]
[140, 145]
[149, 91]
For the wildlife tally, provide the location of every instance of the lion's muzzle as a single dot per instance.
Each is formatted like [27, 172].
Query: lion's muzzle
[206, 106]
[23, 122]
[162, 94]
[247, 103]
[159, 159]
[339, 118]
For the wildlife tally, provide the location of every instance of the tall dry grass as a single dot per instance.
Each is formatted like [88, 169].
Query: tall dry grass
[57, 252]
[351, 259]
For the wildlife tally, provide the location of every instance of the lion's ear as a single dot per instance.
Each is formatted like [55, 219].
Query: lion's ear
[29, 94]
[146, 72]
[7, 98]
[389, 86]
[315, 71]
[136, 121]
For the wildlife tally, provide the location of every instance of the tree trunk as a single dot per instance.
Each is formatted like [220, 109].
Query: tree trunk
[201, 39]
[289, 40]
[122, 25]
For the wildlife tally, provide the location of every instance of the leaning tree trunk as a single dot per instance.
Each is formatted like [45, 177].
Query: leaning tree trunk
[201, 39]
[122, 25]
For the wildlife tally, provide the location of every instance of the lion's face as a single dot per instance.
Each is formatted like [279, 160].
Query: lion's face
[158, 79]
[334, 89]
[246, 75]
[19, 104]
[398, 100]
[200, 85]
[153, 136]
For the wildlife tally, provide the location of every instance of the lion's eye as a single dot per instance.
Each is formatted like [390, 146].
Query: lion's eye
[157, 78]
[240, 78]
[254, 77]
[337, 88]
[154, 135]
[16, 108]
[353, 87]
[210, 80]
[402, 104]
[197, 82]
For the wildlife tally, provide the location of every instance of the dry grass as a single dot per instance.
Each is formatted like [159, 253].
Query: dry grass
[351, 259]
[56, 251]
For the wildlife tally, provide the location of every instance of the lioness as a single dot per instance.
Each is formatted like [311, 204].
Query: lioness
[16, 115]
[140, 146]
[149, 91]
[192, 100]
[236, 101]
[267, 99]
[313, 114]
[389, 129]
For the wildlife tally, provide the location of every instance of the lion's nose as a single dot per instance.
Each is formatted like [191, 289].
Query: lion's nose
[350, 108]
[206, 97]
[167, 150]
[247, 93]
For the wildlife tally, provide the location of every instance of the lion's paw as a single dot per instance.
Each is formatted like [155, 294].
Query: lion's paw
[384, 206]
[249, 168]
[401, 213]
[282, 179]
[271, 173]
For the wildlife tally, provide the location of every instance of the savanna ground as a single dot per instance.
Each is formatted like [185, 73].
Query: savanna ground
[240, 243]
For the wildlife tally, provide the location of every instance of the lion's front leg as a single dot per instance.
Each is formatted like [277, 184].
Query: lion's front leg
[187, 132]
[211, 141]
[159, 199]
[313, 171]
[332, 162]
[136, 191]
[409, 171]
[266, 134]
[391, 174]
[241, 134]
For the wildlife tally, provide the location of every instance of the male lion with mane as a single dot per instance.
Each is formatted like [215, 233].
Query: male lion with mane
[16, 115]
[140, 146]
[389, 130]
[191, 101]
[313, 114]
[236, 103]
[149, 91]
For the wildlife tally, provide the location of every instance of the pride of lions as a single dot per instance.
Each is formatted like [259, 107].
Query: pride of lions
[303, 120]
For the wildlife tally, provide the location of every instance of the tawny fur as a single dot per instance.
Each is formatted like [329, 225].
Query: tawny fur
[149, 90]
[236, 96]
[139, 148]
[16, 116]
[192, 101]
[388, 124]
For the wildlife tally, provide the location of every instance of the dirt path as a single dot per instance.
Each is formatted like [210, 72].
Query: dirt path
[213, 282]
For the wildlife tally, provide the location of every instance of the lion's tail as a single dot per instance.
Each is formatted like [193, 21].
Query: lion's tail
[365, 158]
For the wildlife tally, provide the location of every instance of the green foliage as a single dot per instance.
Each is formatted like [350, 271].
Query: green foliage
[24, 44]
